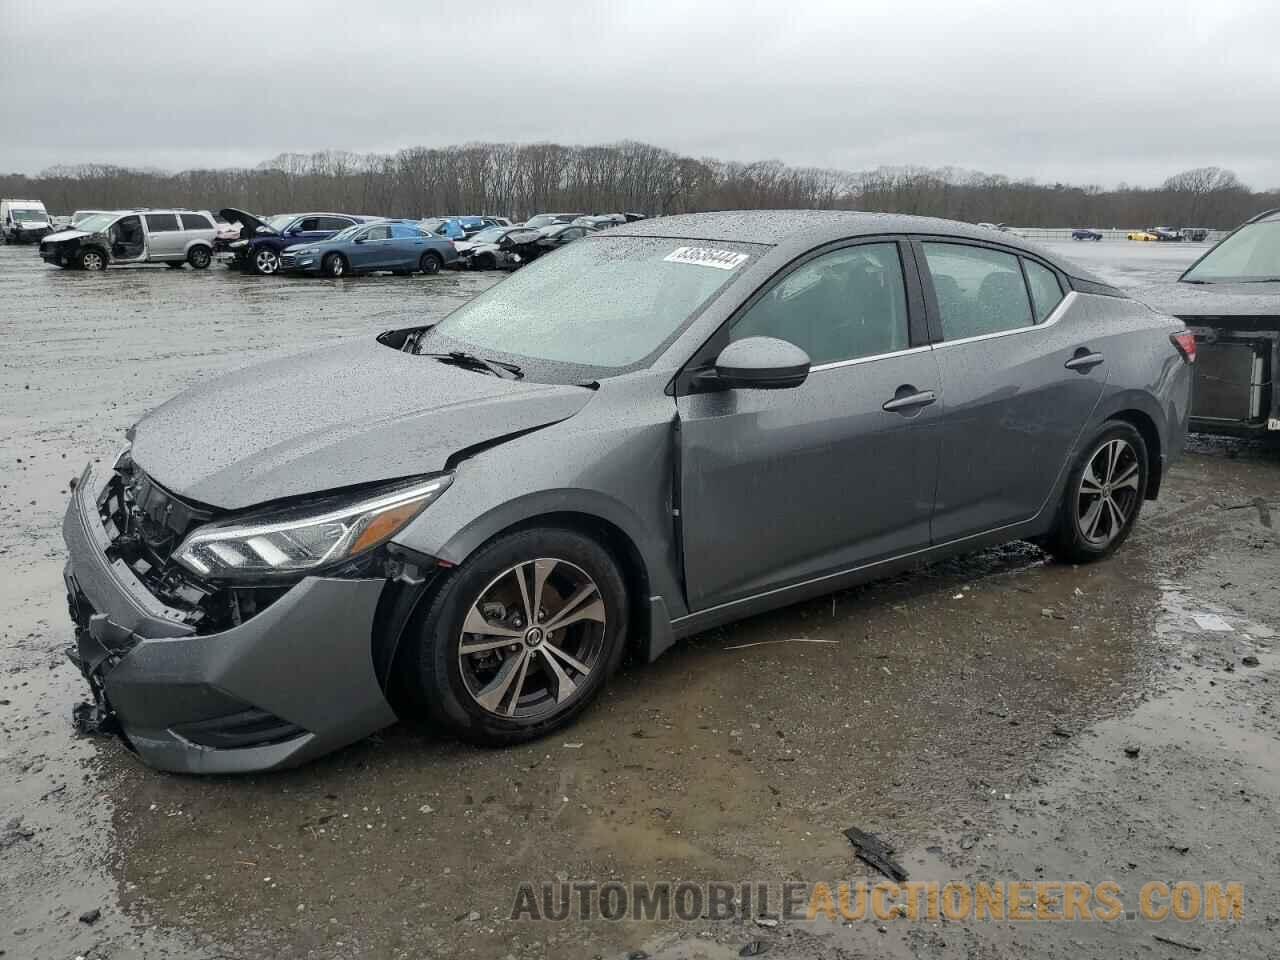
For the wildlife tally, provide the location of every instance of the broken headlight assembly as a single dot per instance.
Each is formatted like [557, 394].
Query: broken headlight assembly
[292, 541]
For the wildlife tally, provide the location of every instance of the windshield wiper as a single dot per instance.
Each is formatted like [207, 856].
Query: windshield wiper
[469, 361]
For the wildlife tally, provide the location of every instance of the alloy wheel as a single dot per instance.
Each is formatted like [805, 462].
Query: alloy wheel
[532, 638]
[92, 261]
[266, 261]
[1108, 492]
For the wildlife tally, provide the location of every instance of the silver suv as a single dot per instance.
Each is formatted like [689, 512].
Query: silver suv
[171, 237]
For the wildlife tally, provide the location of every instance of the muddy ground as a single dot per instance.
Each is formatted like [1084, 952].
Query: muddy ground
[996, 717]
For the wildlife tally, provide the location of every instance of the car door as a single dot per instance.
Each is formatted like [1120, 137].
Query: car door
[780, 486]
[370, 250]
[165, 239]
[1019, 381]
[407, 246]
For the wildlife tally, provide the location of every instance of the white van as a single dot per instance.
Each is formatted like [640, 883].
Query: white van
[24, 221]
[170, 236]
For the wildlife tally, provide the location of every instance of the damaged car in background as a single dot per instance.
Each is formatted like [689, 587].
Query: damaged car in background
[500, 248]
[171, 237]
[665, 427]
[262, 240]
[1230, 299]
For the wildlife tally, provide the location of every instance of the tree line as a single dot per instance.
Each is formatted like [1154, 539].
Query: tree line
[518, 180]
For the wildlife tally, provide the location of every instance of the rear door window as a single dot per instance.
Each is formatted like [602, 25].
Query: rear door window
[979, 291]
[195, 221]
[162, 222]
[333, 223]
[1046, 291]
[402, 231]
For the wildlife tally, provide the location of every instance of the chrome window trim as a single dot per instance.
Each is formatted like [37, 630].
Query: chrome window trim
[1063, 305]
[836, 364]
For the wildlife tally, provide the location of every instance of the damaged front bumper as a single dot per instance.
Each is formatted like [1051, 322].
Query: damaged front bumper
[1237, 376]
[295, 681]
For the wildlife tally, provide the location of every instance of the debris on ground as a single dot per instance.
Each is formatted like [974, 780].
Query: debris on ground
[91, 917]
[754, 949]
[1211, 622]
[1250, 661]
[873, 851]
[1177, 943]
[768, 922]
[761, 643]
[13, 832]
[1132, 751]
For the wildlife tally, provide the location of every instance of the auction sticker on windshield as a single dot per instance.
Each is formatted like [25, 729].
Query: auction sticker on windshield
[707, 257]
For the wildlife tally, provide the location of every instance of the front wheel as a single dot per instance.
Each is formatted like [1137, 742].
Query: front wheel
[520, 638]
[265, 262]
[200, 257]
[334, 265]
[430, 263]
[1103, 497]
[91, 259]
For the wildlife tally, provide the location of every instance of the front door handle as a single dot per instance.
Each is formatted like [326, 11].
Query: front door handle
[1083, 360]
[908, 398]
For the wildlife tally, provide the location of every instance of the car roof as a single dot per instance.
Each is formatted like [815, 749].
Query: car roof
[780, 226]
[805, 229]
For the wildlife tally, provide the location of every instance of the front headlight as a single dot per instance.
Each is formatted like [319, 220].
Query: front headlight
[295, 540]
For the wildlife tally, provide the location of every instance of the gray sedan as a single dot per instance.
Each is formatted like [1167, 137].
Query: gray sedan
[666, 426]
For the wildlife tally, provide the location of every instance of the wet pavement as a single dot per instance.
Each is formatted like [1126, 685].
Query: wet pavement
[997, 716]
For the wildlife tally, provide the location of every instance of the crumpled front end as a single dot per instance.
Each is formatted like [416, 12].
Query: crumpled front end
[200, 678]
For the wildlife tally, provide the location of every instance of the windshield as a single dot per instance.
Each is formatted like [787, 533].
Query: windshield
[26, 215]
[607, 303]
[96, 222]
[280, 221]
[541, 220]
[491, 235]
[1251, 253]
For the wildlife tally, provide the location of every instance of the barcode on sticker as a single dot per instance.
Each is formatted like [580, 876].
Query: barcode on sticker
[707, 257]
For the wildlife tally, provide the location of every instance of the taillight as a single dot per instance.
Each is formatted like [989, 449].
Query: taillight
[1186, 344]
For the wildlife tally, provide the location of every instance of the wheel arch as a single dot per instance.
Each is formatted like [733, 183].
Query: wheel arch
[1142, 421]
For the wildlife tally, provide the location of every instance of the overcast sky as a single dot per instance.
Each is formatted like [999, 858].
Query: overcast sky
[1087, 92]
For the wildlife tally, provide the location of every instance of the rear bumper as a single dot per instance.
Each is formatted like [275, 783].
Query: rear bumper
[292, 683]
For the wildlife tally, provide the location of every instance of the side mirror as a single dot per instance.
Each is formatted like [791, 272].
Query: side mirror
[762, 363]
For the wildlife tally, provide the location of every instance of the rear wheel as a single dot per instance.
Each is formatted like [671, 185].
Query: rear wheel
[199, 257]
[334, 265]
[265, 261]
[430, 263]
[91, 259]
[1103, 496]
[520, 638]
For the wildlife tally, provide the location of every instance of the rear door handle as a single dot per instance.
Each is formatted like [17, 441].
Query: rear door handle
[908, 401]
[1083, 361]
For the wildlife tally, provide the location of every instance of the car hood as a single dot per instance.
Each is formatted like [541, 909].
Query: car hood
[1191, 300]
[354, 413]
[249, 222]
[65, 235]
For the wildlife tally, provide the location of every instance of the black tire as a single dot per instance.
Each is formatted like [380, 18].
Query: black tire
[431, 660]
[199, 257]
[264, 261]
[174, 264]
[334, 265]
[1125, 490]
[91, 258]
[430, 263]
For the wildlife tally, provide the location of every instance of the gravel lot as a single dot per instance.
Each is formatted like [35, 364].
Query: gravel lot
[981, 715]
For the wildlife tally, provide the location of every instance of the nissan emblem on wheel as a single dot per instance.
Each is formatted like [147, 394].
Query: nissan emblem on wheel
[663, 427]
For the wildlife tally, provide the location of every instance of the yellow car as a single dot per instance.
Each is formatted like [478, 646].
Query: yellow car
[1142, 235]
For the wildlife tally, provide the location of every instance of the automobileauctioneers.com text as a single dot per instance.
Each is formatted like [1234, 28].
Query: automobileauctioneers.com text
[1029, 900]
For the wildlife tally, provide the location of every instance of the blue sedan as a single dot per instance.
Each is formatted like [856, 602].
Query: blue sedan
[383, 245]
